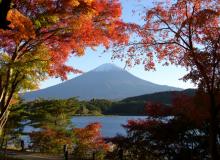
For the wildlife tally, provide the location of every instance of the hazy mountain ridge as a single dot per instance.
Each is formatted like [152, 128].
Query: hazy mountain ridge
[104, 82]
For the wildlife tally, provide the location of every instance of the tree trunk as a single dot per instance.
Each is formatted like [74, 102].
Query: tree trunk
[213, 130]
[3, 120]
[5, 99]
[2, 141]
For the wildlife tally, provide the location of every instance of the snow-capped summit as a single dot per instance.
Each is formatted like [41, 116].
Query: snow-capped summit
[107, 67]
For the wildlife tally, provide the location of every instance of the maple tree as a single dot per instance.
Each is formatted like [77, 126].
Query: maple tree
[39, 36]
[179, 131]
[49, 140]
[185, 33]
[89, 140]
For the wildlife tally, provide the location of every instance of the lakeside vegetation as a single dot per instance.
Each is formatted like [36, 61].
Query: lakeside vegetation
[38, 37]
[53, 118]
[52, 129]
[180, 125]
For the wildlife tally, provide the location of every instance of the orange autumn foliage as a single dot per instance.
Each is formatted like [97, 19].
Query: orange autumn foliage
[184, 32]
[64, 27]
[90, 139]
[39, 36]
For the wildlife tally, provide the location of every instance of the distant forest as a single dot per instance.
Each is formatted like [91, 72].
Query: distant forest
[129, 106]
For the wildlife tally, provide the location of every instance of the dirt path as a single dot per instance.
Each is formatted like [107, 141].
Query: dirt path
[37, 157]
[33, 156]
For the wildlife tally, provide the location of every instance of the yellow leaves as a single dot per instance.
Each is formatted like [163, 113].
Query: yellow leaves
[74, 3]
[54, 18]
[5, 57]
[33, 66]
[88, 2]
[21, 24]
[90, 13]
[46, 21]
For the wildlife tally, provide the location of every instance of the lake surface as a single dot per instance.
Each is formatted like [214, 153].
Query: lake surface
[111, 125]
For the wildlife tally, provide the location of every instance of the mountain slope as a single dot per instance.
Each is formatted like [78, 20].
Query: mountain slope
[136, 105]
[161, 97]
[105, 82]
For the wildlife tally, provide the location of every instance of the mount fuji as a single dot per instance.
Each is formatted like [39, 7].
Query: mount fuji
[104, 82]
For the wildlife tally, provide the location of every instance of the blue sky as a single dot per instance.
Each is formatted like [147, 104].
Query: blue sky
[168, 75]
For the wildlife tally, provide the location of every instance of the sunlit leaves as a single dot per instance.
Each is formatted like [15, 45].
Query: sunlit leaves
[174, 32]
[88, 140]
[21, 25]
[67, 26]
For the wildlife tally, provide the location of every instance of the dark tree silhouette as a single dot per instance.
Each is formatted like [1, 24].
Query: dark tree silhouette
[4, 8]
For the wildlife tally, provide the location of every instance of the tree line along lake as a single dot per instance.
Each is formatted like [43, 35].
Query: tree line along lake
[111, 125]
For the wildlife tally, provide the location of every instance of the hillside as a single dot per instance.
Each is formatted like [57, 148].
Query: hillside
[135, 105]
[160, 97]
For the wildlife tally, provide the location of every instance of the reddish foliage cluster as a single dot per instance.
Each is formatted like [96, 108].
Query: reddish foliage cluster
[133, 125]
[90, 137]
[157, 110]
[195, 109]
[183, 32]
[178, 131]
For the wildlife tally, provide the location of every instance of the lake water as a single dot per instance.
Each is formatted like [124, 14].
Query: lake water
[111, 125]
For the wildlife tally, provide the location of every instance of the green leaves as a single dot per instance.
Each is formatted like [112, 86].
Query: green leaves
[46, 21]
[37, 24]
